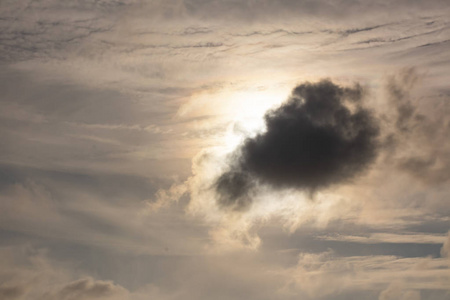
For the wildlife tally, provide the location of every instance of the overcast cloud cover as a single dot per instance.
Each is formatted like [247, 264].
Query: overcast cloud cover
[221, 149]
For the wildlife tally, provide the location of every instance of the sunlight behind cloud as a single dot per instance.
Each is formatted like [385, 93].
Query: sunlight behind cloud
[241, 110]
[246, 114]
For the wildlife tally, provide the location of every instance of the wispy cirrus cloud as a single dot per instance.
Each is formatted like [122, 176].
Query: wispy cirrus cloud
[376, 238]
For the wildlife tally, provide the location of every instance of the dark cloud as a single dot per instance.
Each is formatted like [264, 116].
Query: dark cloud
[234, 189]
[321, 136]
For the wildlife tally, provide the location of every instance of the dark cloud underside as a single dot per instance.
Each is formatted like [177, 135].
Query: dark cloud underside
[312, 141]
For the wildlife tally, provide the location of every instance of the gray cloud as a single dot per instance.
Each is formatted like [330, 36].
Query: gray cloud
[445, 250]
[11, 292]
[395, 291]
[312, 141]
[422, 126]
[40, 29]
[399, 88]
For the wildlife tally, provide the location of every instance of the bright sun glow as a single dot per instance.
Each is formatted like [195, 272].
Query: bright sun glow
[245, 112]
[240, 110]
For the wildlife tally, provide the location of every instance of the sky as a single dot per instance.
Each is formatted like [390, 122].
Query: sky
[224, 149]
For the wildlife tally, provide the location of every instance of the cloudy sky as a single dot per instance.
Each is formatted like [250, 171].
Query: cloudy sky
[224, 149]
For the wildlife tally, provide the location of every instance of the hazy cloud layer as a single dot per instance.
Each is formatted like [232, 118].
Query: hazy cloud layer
[117, 118]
